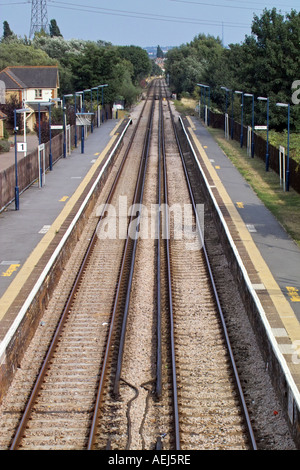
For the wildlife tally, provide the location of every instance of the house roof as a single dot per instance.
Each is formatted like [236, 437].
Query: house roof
[2, 115]
[20, 77]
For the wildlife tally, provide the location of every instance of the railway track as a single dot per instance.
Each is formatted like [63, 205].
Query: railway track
[140, 358]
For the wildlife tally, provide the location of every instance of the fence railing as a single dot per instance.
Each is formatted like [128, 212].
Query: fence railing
[218, 121]
[28, 168]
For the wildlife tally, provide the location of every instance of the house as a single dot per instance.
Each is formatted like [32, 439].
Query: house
[31, 85]
[2, 118]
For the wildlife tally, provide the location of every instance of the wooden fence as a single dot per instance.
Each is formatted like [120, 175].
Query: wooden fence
[28, 168]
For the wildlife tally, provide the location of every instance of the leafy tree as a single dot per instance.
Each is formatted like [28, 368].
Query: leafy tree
[188, 64]
[156, 70]
[7, 32]
[8, 108]
[54, 29]
[268, 62]
[159, 53]
[17, 53]
[139, 59]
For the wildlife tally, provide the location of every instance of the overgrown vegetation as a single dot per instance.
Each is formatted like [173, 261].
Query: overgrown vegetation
[82, 64]
[285, 206]
[267, 63]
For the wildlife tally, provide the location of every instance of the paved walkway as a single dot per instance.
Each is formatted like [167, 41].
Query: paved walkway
[280, 253]
[7, 159]
[21, 231]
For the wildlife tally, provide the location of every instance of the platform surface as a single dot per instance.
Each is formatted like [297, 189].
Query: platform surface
[280, 253]
[26, 233]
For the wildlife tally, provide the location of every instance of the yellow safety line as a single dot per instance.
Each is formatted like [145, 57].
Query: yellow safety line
[282, 306]
[16, 285]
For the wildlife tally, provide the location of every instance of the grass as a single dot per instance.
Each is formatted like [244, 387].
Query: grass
[277, 139]
[285, 206]
[185, 106]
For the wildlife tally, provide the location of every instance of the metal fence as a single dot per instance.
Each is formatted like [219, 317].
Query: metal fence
[217, 121]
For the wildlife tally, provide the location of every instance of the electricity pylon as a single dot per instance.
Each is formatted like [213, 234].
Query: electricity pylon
[39, 17]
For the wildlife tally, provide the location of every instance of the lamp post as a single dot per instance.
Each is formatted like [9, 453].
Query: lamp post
[17, 191]
[262, 98]
[103, 86]
[206, 87]
[46, 104]
[64, 121]
[232, 114]
[227, 90]
[242, 116]
[97, 88]
[50, 138]
[75, 107]
[81, 95]
[252, 140]
[90, 91]
[284, 105]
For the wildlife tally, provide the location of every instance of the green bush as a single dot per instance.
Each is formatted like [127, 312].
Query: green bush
[4, 146]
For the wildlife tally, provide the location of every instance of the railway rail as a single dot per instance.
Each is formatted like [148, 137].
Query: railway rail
[140, 357]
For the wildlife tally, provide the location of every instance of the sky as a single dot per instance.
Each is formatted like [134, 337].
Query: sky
[141, 23]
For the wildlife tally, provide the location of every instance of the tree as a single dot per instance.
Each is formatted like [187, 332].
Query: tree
[159, 53]
[7, 32]
[268, 62]
[139, 59]
[54, 29]
[17, 53]
[189, 63]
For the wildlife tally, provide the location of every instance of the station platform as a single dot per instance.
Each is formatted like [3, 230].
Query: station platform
[28, 234]
[270, 258]
[279, 252]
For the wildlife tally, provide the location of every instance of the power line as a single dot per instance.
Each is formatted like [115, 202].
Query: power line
[140, 15]
[221, 5]
[14, 3]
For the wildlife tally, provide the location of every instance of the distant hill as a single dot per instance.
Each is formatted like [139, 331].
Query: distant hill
[153, 49]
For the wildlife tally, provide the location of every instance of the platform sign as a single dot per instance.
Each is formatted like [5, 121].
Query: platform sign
[261, 128]
[22, 147]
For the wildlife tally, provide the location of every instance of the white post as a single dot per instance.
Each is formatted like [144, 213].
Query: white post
[282, 166]
[226, 127]
[249, 141]
[42, 165]
[68, 130]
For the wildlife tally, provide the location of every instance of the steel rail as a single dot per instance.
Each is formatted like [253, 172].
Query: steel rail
[117, 301]
[158, 388]
[39, 380]
[216, 296]
[170, 293]
[138, 200]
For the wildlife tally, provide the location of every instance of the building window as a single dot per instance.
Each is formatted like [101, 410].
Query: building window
[38, 94]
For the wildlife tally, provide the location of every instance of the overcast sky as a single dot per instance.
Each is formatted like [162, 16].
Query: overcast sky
[141, 23]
